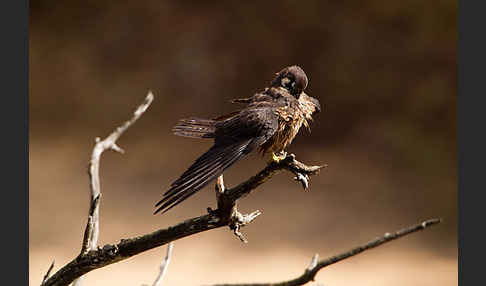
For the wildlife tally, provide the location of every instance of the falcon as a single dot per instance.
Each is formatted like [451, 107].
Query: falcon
[268, 123]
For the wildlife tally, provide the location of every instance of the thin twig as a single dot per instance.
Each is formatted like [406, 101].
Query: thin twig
[91, 233]
[48, 272]
[313, 263]
[164, 265]
[311, 271]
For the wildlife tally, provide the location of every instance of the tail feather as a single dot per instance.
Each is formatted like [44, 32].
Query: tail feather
[195, 128]
[204, 170]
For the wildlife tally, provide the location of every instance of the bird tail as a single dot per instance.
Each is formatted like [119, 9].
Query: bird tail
[204, 170]
[195, 128]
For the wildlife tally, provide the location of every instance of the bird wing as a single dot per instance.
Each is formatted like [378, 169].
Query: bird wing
[234, 138]
[195, 128]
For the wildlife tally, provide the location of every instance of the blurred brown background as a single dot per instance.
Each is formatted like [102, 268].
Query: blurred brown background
[385, 72]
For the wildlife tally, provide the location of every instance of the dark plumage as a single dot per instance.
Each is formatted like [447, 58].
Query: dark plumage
[269, 122]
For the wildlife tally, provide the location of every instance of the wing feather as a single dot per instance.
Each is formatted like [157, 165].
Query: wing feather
[234, 137]
[206, 168]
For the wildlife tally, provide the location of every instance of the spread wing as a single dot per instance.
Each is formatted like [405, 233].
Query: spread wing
[234, 137]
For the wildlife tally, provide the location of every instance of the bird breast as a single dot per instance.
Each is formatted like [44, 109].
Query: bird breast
[290, 121]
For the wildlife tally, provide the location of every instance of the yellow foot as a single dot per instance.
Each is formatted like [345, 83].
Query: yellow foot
[279, 157]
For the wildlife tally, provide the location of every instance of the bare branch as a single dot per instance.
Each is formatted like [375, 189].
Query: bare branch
[48, 273]
[236, 220]
[91, 233]
[227, 198]
[126, 248]
[289, 163]
[164, 265]
[225, 215]
[311, 271]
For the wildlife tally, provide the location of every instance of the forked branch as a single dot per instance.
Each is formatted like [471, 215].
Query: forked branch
[91, 233]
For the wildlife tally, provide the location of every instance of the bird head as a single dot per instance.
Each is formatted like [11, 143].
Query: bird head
[291, 78]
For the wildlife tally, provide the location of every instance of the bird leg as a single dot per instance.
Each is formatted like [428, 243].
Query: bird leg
[277, 157]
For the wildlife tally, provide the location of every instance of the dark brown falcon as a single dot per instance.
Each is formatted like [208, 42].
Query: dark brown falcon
[269, 123]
